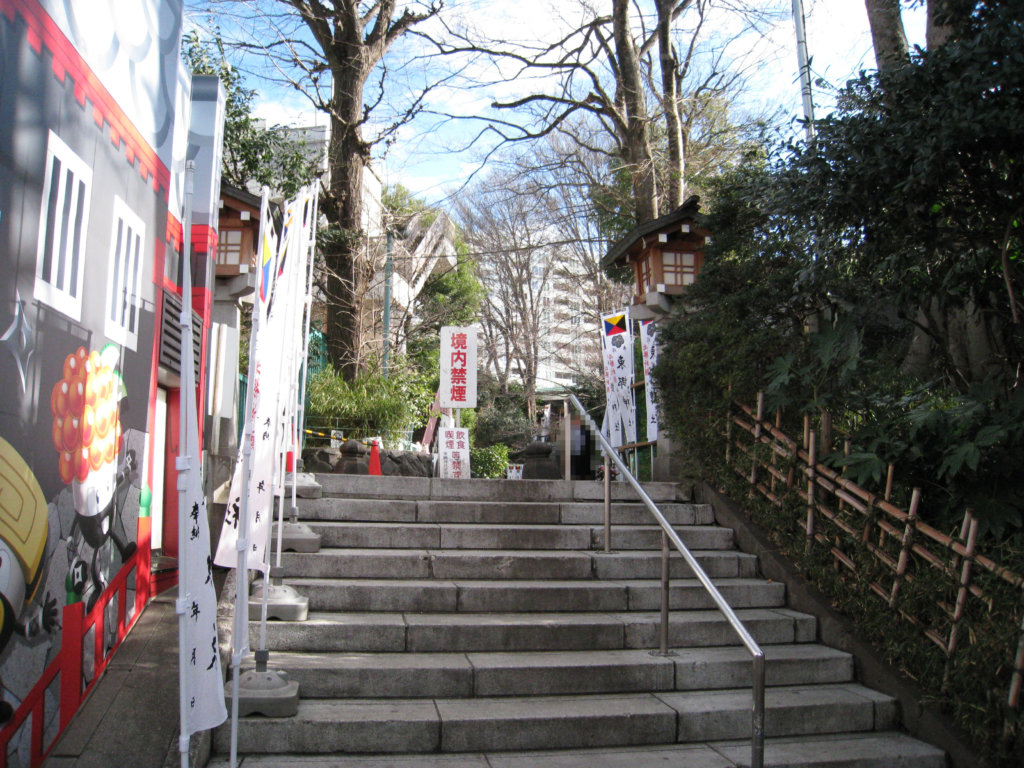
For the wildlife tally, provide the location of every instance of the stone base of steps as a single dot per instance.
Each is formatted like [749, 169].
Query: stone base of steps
[398, 632]
[559, 722]
[546, 673]
[526, 537]
[867, 750]
[479, 596]
[360, 563]
[499, 513]
[416, 488]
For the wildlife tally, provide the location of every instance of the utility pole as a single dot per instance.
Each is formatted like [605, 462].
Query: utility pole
[805, 68]
[387, 302]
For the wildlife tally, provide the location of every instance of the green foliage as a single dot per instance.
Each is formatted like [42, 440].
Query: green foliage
[491, 461]
[832, 263]
[452, 298]
[501, 417]
[370, 404]
[987, 635]
[252, 153]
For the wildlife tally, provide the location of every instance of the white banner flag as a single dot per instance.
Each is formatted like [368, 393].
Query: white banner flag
[617, 352]
[200, 679]
[275, 367]
[204, 695]
[454, 450]
[649, 347]
[458, 367]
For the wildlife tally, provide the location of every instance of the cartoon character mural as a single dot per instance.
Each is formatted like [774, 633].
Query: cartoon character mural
[24, 524]
[87, 437]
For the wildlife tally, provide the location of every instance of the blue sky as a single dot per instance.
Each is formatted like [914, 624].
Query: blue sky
[422, 159]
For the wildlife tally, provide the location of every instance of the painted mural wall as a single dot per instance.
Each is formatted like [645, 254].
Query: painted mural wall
[96, 123]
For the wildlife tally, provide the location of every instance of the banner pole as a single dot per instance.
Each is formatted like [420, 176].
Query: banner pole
[181, 604]
[240, 634]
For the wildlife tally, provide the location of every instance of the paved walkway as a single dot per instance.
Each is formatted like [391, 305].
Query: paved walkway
[130, 719]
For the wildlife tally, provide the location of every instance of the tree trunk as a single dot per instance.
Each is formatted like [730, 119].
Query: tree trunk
[936, 33]
[670, 103]
[343, 258]
[887, 35]
[636, 141]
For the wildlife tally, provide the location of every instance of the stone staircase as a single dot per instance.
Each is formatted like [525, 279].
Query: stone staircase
[479, 624]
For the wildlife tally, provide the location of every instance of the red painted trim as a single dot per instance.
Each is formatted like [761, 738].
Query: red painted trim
[75, 625]
[204, 239]
[71, 672]
[42, 32]
[175, 236]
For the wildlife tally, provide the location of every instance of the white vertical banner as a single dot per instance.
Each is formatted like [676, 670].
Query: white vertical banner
[272, 367]
[458, 367]
[454, 453]
[201, 680]
[649, 348]
[617, 352]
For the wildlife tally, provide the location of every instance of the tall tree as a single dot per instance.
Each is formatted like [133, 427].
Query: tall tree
[597, 87]
[887, 34]
[333, 52]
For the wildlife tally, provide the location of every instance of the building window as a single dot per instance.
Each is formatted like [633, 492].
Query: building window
[229, 247]
[680, 268]
[644, 266]
[124, 276]
[64, 214]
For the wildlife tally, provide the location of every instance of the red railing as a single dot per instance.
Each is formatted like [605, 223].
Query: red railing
[69, 663]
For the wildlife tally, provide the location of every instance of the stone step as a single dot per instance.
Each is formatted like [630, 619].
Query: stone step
[423, 488]
[855, 750]
[531, 513]
[558, 722]
[417, 632]
[398, 535]
[546, 673]
[789, 711]
[506, 564]
[482, 596]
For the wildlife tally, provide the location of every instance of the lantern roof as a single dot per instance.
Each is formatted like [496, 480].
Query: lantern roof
[641, 236]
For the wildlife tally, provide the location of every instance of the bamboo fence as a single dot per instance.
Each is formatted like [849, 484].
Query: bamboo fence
[889, 546]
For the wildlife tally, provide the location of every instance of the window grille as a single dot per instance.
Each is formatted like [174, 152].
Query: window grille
[63, 219]
[125, 276]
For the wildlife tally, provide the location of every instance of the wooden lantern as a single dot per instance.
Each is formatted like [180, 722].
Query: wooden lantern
[666, 255]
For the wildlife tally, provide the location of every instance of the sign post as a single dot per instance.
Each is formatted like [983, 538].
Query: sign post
[457, 391]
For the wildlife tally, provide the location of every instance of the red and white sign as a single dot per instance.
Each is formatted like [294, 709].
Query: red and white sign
[454, 458]
[458, 367]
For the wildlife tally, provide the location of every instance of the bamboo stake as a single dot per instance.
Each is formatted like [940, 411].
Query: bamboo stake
[775, 444]
[908, 542]
[1015, 684]
[812, 460]
[1018, 672]
[888, 481]
[955, 561]
[825, 438]
[757, 437]
[807, 430]
[961, 597]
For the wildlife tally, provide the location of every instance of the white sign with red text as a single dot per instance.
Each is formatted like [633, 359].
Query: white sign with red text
[458, 367]
[454, 453]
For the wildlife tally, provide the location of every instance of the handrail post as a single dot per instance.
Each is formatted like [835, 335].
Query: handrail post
[757, 726]
[567, 434]
[663, 633]
[607, 503]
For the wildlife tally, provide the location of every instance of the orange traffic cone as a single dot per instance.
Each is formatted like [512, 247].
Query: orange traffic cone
[375, 459]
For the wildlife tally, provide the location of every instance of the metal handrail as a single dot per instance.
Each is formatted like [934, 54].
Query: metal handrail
[669, 535]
